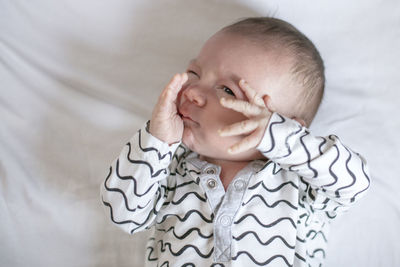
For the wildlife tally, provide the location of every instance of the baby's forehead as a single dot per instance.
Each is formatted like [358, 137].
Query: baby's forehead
[237, 57]
[232, 51]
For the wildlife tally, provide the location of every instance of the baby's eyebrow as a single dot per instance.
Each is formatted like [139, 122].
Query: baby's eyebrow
[231, 76]
[235, 78]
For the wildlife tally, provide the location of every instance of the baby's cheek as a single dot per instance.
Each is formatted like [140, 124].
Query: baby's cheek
[232, 117]
[222, 142]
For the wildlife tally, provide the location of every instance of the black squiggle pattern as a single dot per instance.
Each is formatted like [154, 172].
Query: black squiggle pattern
[287, 141]
[149, 258]
[119, 222]
[349, 172]
[308, 155]
[266, 243]
[147, 149]
[178, 154]
[329, 215]
[152, 173]
[276, 189]
[187, 233]
[273, 205]
[138, 224]
[331, 168]
[167, 245]
[173, 188]
[272, 135]
[321, 145]
[368, 182]
[276, 168]
[310, 192]
[299, 257]
[315, 234]
[265, 225]
[123, 195]
[187, 215]
[186, 171]
[183, 198]
[137, 194]
[318, 250]
[300, 239]
[264, 262]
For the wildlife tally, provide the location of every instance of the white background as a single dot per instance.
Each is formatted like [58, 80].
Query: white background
[78, 78]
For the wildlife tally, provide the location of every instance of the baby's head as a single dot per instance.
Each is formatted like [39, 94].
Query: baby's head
[300, 62]
[273, 57]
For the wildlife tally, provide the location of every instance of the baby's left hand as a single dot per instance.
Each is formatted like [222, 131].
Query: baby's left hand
[256, 110]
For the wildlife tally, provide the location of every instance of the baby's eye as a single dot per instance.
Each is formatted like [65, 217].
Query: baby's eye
[192, 72]
[228, 91]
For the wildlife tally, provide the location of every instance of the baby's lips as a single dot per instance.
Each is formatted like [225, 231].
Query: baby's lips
[184, 113]
[180, 114]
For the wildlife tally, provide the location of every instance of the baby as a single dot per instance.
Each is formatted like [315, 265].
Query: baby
[226, 172]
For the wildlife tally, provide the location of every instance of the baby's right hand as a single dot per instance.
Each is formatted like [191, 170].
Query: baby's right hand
[165, 123]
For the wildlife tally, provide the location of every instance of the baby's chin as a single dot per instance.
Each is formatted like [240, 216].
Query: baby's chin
[216, 150]
[208, 152]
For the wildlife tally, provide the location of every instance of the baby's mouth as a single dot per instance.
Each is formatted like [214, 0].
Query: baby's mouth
[186, 118]
[185, 115]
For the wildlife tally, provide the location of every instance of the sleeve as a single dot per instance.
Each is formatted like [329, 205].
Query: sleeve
[135, 187]
[332, 175]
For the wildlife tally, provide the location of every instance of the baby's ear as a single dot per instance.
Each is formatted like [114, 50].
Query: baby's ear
[301, 121]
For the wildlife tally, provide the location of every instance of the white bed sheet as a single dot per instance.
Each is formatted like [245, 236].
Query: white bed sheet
[77, 78]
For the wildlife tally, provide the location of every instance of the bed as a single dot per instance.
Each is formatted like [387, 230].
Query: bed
[78, 78]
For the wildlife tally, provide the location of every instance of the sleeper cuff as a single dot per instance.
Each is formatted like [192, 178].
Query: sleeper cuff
[274, 142]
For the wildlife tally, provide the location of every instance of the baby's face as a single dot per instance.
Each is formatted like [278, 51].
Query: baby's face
[215, 73]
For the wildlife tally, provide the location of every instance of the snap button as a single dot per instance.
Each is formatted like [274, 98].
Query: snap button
[225, 220]
[211, 183]
[239, 185]
[210, 171]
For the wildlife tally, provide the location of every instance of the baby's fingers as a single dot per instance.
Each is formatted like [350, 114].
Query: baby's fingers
[171, 91]
[251, 94]
[243, 127]
[247, 143]
[244, 107]
[174, 86]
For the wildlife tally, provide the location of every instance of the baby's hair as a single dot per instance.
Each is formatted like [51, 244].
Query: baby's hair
[308, 66]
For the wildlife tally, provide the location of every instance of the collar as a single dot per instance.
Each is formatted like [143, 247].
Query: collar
[197, 167]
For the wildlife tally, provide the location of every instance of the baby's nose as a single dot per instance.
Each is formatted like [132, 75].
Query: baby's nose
[195, 96]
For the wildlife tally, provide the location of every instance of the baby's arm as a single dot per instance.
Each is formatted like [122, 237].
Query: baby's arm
[335, 175]
[134, 189]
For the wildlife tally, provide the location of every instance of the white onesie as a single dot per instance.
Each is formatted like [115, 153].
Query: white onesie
[275, 212]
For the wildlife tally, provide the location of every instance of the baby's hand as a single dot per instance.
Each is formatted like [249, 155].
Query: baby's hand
[258, 113]
[165, 123]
